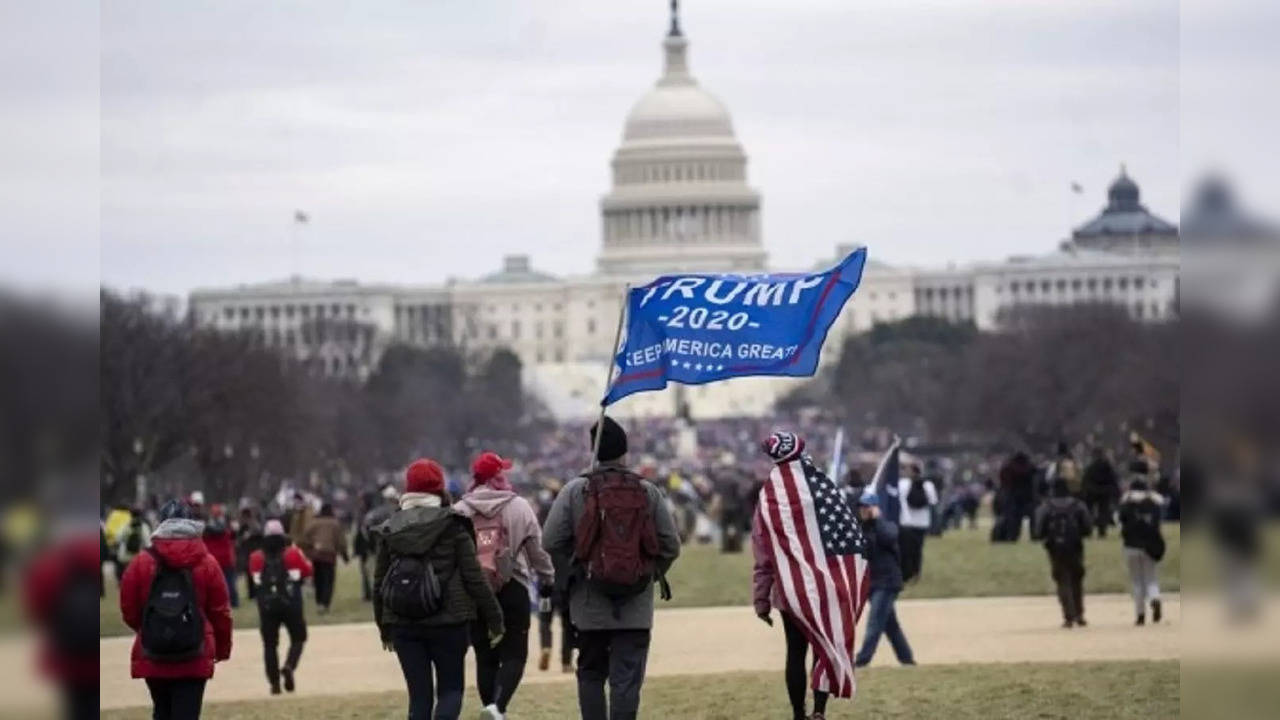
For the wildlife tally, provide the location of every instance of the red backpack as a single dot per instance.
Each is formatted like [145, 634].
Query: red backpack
[493, 549]
[615, 540]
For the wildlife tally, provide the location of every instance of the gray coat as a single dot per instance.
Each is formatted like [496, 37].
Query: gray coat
[590, 609]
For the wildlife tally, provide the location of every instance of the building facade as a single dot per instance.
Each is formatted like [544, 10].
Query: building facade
[680, 201]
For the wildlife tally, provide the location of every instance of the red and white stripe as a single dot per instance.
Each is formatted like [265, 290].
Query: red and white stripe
[824, 595]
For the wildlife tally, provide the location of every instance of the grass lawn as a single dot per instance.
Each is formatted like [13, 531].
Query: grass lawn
[961, 563]
[957, 692]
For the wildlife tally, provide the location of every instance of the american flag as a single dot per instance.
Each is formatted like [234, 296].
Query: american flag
[820, 554]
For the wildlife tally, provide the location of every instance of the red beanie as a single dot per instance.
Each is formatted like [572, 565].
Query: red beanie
[488, 466]
[424, 476]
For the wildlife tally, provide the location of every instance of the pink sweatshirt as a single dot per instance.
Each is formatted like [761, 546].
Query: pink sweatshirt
[522, 530]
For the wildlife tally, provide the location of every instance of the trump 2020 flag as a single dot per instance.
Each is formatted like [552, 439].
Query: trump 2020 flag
[700, 328]
[822, 577]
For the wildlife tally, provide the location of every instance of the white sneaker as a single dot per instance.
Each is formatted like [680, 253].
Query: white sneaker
[490, 713]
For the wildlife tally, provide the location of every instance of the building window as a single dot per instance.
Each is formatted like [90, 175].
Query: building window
[515, 329]
[351, 311]
[493, 332]
[1044, 286]
[1031, 288]
[1124, 283]
[1106, 285]
[288, 338]
[1075, 285]
[1138, 309]
[559, 356]
[591, 326]
[1138, 283]
[275, 312]
[557, 330]
[537, 330]
[229, 313]
[1092, 284]
[260, 312]
[1062, 286]
[893, 296]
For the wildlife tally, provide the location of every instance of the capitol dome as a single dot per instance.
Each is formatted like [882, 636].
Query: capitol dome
[680, 199]
[677, 106]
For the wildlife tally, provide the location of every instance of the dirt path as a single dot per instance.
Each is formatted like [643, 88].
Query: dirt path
[344, 659]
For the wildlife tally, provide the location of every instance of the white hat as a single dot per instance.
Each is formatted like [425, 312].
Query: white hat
[197, 498]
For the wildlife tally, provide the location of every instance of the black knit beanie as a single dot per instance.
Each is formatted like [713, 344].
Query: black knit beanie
[613, 441]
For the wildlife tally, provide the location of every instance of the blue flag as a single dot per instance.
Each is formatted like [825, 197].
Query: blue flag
[696, 329]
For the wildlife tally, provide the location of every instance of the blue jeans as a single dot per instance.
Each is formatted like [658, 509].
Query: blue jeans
[230, 575]
[883, 619]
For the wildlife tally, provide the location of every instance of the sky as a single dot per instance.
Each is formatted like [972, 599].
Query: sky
[426, 140]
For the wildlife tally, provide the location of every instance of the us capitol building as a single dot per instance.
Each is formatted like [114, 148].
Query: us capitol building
[680, 201]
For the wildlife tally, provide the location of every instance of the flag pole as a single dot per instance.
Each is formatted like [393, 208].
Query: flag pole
[608, 379]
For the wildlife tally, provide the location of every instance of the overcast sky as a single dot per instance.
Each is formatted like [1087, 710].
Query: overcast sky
[428, 139]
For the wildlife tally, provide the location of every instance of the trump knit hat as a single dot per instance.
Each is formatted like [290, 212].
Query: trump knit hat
[783, 446]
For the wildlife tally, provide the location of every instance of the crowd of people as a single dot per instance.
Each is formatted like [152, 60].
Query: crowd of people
[451, 568]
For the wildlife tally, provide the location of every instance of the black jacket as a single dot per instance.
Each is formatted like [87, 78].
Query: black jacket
[445, 539]
[882, 554]
[1140, 513]
[1100, 479]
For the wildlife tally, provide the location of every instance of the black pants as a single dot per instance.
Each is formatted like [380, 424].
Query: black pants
[248, 581]
[618, 656]
[911, 545]
[796, 672]
[178, 699]
[80, 701]
[366, 577]
[419, 650]
[499, 669]
[324, 582]
[1068, 574]
[568, 634]
[269, 625]
[1101, 509]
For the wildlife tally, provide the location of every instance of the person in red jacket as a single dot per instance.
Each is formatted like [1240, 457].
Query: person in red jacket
[278, 570]
[177, 686]
[60, 594]
[220, 539]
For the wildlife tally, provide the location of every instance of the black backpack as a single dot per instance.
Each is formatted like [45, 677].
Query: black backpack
[412, 589]
[1061, 531]
[275, 591]
[172, 624]
[75, 616]
[916, 495]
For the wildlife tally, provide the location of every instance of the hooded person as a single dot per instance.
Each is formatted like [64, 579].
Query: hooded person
[509, 548]
[176, 657]
[277, 570]
[428, 590]
[610, 508]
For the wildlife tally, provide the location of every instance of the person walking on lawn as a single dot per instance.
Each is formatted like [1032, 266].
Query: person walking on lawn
[174, 598]
[1061, 522]
[278, 570]
[1140, 513]
[325, 541]
[885, 570]
[621, 537]
[428, 588]
[220, 539]
[509, 547]
[767, 593]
